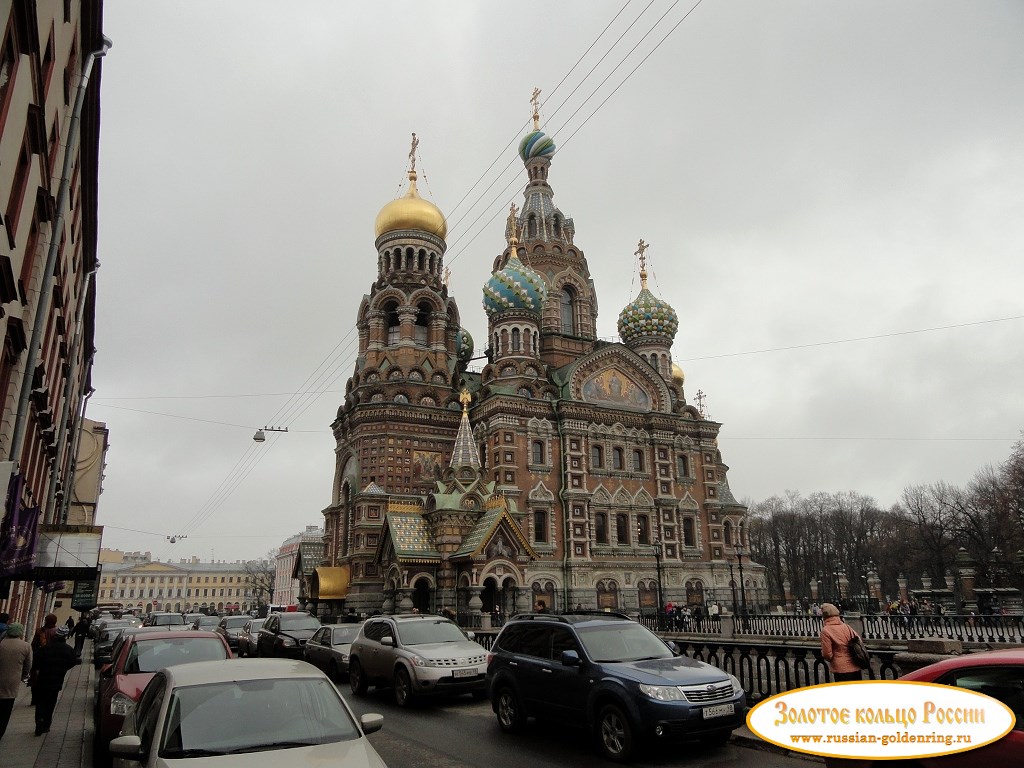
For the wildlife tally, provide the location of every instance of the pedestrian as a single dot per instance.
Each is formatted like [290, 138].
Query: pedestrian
[15, 665]
[49, 666]
[45, 633]
[836, 635]
[540, 607]
[81, 631]
[70, 624]
[5, 619]
[448, 613]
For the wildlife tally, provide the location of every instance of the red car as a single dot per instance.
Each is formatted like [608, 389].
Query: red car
[999, 674]
[138, 658]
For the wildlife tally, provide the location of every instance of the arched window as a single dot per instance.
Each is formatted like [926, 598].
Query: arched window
[540, 526]
[531, 226]
[567, 310]
[517, 340]
[600, 527]
[538, 451]
[622, 528]
[392, 322]
[689, 539]
[683, 467]
[727, 533]
[422, 327]
[638, 460]
[617, 459]
[596, 457]
[421, 259]
[558, 226]
[643, 530]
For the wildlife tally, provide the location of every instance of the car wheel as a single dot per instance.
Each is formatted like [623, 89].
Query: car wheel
[509, 712]
[614, 733]
[332, 671]
[356, 679]
[403, 688]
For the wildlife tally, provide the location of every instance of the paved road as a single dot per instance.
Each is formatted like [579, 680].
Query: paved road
[461, 733]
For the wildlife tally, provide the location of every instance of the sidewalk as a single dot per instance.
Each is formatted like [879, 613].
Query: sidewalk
[69, 742]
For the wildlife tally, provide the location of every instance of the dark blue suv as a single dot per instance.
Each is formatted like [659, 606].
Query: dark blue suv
[604, 672]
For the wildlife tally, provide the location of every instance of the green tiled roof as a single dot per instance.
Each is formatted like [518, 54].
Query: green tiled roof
[410, 536]
[480, 531]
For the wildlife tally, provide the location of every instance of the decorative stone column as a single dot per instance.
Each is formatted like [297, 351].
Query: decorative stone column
[965, 567]
[388, 606]
[814, 590]
[405, 605]
[901, 581]
[475, 606]
[523, 604]
[787, 592]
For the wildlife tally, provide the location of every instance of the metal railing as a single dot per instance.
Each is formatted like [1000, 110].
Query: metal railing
[966, 629]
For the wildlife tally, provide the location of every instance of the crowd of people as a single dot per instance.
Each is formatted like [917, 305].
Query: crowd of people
[42, 663]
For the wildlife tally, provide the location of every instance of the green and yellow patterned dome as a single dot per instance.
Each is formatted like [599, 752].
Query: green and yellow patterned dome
[647, 316]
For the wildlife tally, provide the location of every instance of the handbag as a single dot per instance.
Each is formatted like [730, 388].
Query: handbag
[858, 651]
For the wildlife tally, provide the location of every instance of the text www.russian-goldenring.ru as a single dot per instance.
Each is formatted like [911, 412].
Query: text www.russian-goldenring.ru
[885, 739]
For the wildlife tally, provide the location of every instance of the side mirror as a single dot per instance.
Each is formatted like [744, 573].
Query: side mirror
[673, 647]
[471, 635]
[127, 747]
[371, 722]
[570, 659]
[388, 640]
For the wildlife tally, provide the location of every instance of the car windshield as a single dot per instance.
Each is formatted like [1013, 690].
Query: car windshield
[299, 621]
[151, 655]
[209, 621]
[342, 635]
[235, 622]
[622, 642]
[110, 635]
[256, 624]
[423, 632]
[263, 715]
[168, 619]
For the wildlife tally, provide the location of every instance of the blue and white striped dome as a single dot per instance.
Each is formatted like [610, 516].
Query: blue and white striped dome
[536, 144]
[516, 286]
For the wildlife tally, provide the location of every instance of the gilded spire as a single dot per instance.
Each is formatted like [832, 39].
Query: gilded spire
[640, 252]
[412, 158]
[535, 101]
[465, 454]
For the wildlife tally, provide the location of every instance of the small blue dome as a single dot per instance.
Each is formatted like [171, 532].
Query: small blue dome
[536, 144]
[516, 286]
[647, 315]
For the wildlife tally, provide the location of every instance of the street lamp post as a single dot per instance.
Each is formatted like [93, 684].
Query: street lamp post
[657, 567]
[743, 588]
[732, 585]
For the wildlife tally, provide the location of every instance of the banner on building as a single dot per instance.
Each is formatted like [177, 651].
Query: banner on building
[18, 531]
[68, 553]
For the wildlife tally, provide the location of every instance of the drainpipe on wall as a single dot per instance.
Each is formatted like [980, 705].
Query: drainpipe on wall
[56, 230]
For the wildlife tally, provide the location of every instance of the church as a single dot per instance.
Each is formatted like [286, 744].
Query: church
[569, 469]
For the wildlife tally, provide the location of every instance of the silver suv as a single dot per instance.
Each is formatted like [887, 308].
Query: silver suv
[416, 655]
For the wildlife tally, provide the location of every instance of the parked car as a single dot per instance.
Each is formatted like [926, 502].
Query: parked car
[417, 656]
[95, 625]
[247, 637]
[285, 634]
[608, 674]
[172, 621]
[190, 618]
[231, 627]
[999, 674]
[256, 713]
[206, 623]
[103, 647]
[328, 649]
[138, 658]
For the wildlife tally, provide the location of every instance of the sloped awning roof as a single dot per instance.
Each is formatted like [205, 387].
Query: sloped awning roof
[330, 583]
[411, 538]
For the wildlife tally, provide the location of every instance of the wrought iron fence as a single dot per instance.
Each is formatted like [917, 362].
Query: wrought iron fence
[966, 629]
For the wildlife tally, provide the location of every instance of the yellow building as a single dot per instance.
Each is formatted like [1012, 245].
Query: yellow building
[138, 582]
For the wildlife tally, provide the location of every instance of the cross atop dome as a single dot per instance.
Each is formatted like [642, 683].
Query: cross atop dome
[412, 156]
[535, 101]
[640, 253]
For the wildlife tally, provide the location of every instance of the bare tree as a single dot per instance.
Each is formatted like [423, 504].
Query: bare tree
[259, 578]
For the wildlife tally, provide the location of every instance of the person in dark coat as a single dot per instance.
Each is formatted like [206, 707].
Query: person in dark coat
[81, 631]
[49, 665]
[46, 632]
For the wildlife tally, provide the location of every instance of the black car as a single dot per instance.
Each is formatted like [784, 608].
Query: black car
[606, 673]
[101, 651]
[286, 634]
[230, 627]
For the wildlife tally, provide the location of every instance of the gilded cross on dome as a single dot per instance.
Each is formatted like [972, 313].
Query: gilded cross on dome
[412, 154]
[465, 398]
[640, 252]
[535, 101]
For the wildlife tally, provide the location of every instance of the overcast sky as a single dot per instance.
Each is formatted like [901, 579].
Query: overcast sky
[818, 181]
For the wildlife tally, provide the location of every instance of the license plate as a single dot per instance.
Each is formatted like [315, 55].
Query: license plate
[471, 672]
[719, 711]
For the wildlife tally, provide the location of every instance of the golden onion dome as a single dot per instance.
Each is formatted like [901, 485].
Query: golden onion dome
[411, 212]
[677, 375]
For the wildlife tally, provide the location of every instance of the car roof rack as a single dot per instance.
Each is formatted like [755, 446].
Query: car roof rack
[567, 617]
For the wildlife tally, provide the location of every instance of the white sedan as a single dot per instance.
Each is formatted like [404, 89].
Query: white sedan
[275, 711]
